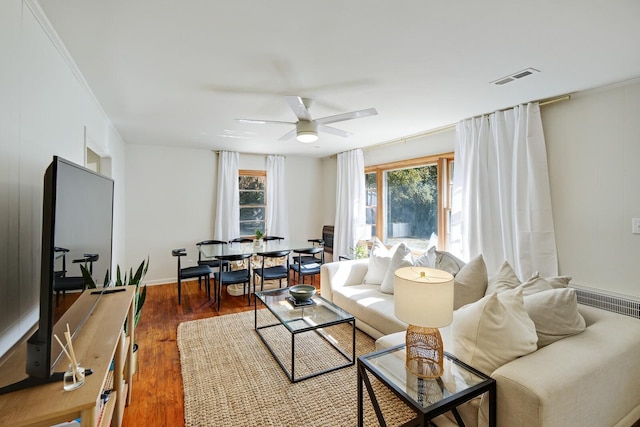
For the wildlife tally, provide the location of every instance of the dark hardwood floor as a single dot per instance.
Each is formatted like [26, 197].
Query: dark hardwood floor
[157, 398]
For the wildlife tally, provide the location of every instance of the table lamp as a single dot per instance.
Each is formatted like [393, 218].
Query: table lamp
[423, 298]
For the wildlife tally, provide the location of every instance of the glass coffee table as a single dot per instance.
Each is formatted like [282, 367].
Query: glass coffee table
[428, 398]
[313, 326]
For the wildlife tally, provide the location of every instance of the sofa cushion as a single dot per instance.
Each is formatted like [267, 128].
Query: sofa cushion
[402, 257]
[493, 331]
[555, 314]
[367, 303]
[470, 283]
[379, 260]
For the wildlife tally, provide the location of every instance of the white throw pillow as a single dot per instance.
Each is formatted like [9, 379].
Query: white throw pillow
[505, 279]
[470, 283]
[493, 331]
[402, 257]
[379, 259]
[555, 314]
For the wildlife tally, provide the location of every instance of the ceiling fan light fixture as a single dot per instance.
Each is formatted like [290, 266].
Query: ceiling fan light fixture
[307, 137]
[306, 131]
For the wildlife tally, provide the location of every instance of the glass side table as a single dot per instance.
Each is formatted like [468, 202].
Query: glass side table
[428, 398]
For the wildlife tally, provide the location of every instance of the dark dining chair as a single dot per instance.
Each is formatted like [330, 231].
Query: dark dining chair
[274, 266]
[241, 240]
[302, 269]
[200, 271]
[317, 257]
[62, 282]
[211, 262]
[238, 276]
[267, 238]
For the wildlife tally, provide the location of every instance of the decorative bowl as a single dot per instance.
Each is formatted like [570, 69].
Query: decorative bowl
[302, 292]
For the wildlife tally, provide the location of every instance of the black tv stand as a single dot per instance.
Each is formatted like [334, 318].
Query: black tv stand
[31, 382]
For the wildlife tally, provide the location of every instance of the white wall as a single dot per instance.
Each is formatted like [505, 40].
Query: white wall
[44, 109]
[593, 144]
[171, 195]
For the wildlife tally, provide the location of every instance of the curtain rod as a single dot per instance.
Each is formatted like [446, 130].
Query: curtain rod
[250, 154]
[445, 128]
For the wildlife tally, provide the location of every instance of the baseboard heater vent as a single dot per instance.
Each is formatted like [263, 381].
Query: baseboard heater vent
[615, 303]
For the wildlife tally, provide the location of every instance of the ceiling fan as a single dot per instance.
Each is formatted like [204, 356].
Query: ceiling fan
[307, 129]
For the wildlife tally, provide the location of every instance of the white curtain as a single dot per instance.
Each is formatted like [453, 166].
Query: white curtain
[277, 206]
[501, 198]
[227, 223]
[350, 202]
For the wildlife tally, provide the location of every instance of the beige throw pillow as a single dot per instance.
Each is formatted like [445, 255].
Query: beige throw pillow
[505, 279]
[493, 331]
[448, 262]
[427, 259]
[534, 285]
[559, 282]
[555, 314]
[470, 283]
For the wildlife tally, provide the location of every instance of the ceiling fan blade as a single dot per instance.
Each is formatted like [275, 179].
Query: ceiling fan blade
[347, 116]
[334, 131]
[299, 109]
[265, 122]
[288, 135]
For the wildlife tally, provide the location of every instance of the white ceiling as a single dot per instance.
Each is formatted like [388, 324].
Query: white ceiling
[177, 73]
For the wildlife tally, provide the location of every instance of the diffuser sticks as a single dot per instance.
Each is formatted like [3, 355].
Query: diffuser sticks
[74, 377]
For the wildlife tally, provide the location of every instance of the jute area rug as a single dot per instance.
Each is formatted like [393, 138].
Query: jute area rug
[231, 379]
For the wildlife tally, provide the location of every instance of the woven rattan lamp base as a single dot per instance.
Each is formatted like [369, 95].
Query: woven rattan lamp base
[425, 352]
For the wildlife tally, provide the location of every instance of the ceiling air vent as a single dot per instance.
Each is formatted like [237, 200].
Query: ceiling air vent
[515, 76]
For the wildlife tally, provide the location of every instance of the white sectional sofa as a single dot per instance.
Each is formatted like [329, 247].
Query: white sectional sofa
[591, 378]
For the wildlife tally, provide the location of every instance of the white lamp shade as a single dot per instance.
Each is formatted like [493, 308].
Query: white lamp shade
[423, 296]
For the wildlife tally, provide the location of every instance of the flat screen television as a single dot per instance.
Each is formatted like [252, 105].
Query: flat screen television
[77, 229]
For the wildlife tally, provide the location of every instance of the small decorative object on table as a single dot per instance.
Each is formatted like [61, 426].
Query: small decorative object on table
[258, 240]
[302, 293]
[74, 377]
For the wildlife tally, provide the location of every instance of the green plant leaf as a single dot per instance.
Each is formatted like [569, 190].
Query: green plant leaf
[118, 277]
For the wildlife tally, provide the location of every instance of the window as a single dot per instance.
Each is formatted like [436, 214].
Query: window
[408, 201]
[252, 186]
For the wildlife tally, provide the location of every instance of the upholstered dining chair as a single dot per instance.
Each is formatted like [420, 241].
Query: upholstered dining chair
[302, 269]
[274, 266]
[238, 276]
[200, 271]
[211, 262]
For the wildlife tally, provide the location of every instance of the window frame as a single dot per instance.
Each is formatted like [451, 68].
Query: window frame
[254, 173]
[443, 162]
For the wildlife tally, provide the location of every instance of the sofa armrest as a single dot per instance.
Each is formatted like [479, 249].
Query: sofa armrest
[334, 275]
[591, 378]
